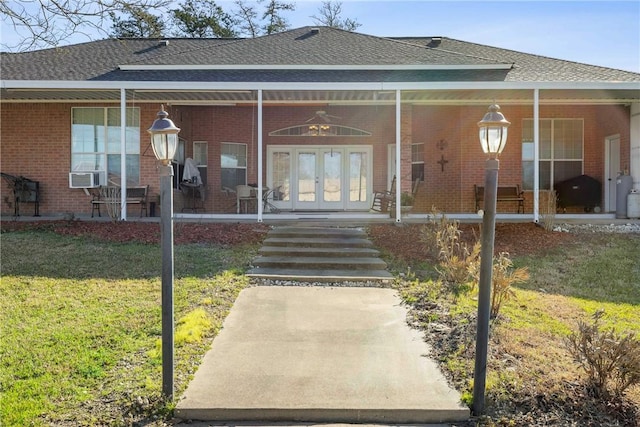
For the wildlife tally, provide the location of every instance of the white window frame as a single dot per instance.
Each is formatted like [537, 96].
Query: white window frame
[201, 153]
[135, 134]
[246, 153]
[417, 162]
[528, 154]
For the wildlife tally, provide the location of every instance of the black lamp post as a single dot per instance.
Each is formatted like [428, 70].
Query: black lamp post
[493, 138]
[164, 141]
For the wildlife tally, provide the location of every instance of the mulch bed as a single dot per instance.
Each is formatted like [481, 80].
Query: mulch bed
[514, 238]
[223, 234]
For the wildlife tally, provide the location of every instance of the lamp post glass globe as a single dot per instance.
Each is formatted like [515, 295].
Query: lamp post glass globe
[493, 131]
[164, 137]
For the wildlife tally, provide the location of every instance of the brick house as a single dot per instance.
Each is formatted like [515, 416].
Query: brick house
[324, 116]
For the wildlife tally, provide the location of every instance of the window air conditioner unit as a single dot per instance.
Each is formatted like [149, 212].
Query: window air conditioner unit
[84, 179]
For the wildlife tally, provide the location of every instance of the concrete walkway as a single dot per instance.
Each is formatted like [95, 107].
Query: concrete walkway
[319, 354]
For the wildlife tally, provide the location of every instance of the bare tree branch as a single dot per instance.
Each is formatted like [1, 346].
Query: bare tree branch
[45, 23]
[329, 15]
[248, 17]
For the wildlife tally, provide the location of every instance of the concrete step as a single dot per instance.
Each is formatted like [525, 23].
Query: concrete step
[317, 232]
[337, 263]
[318, 275]
[318, 251]
[327, 242]
[319, 254]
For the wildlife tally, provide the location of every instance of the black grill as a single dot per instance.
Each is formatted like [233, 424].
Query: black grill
[582, 190]
[25, 190]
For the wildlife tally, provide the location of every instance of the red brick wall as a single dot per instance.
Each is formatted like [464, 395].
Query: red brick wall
[451, 190]
[36, 144]
[42, 152]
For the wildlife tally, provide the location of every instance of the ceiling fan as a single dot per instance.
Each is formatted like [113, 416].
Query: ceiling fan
[323, 116]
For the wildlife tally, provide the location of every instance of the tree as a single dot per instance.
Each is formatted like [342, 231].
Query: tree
[275, 22]
[248, 19]
[50, 23]
[203, 18]
[140, 24]
[329, 15]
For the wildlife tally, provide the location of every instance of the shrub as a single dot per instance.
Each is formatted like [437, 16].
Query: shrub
[610, 360]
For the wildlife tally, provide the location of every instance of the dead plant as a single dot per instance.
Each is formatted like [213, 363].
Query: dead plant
[111, 196]
[442, 236]
[548, 210]
[503, 277]
[610, 360]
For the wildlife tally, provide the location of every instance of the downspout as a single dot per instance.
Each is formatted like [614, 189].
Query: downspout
[398, 154]
[536, 155]
[259, 203]
[123, 154]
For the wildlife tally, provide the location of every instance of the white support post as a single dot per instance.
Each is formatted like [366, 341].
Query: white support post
[398, 156]
[123, 154]
[259, 202]
[536, 155]
[634, 144]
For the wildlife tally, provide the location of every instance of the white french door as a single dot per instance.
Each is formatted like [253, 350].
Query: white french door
[320, 178]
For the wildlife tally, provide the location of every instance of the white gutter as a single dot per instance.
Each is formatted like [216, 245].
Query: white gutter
[322, 67]
[291, 86]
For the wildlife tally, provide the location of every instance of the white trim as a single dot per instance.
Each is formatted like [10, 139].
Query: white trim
[290, 86]
[179, 67]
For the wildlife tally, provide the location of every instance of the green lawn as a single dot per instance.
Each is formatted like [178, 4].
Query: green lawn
[81, 322]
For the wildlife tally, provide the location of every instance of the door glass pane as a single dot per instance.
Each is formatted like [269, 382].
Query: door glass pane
[306, 177]
[332, 182]
[282, 176]
[358, 187]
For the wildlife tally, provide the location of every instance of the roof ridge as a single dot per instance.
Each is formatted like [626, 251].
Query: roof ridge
[231, 40]
[186, 50]
[451, 51]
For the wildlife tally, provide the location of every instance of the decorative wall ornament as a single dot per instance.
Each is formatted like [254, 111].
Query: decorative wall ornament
[442, 162]
[442, 144]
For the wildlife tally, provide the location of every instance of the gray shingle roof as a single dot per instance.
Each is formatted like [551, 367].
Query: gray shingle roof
[304, 47]
[528, 67]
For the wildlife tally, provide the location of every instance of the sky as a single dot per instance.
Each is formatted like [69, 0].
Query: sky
[603, 32]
